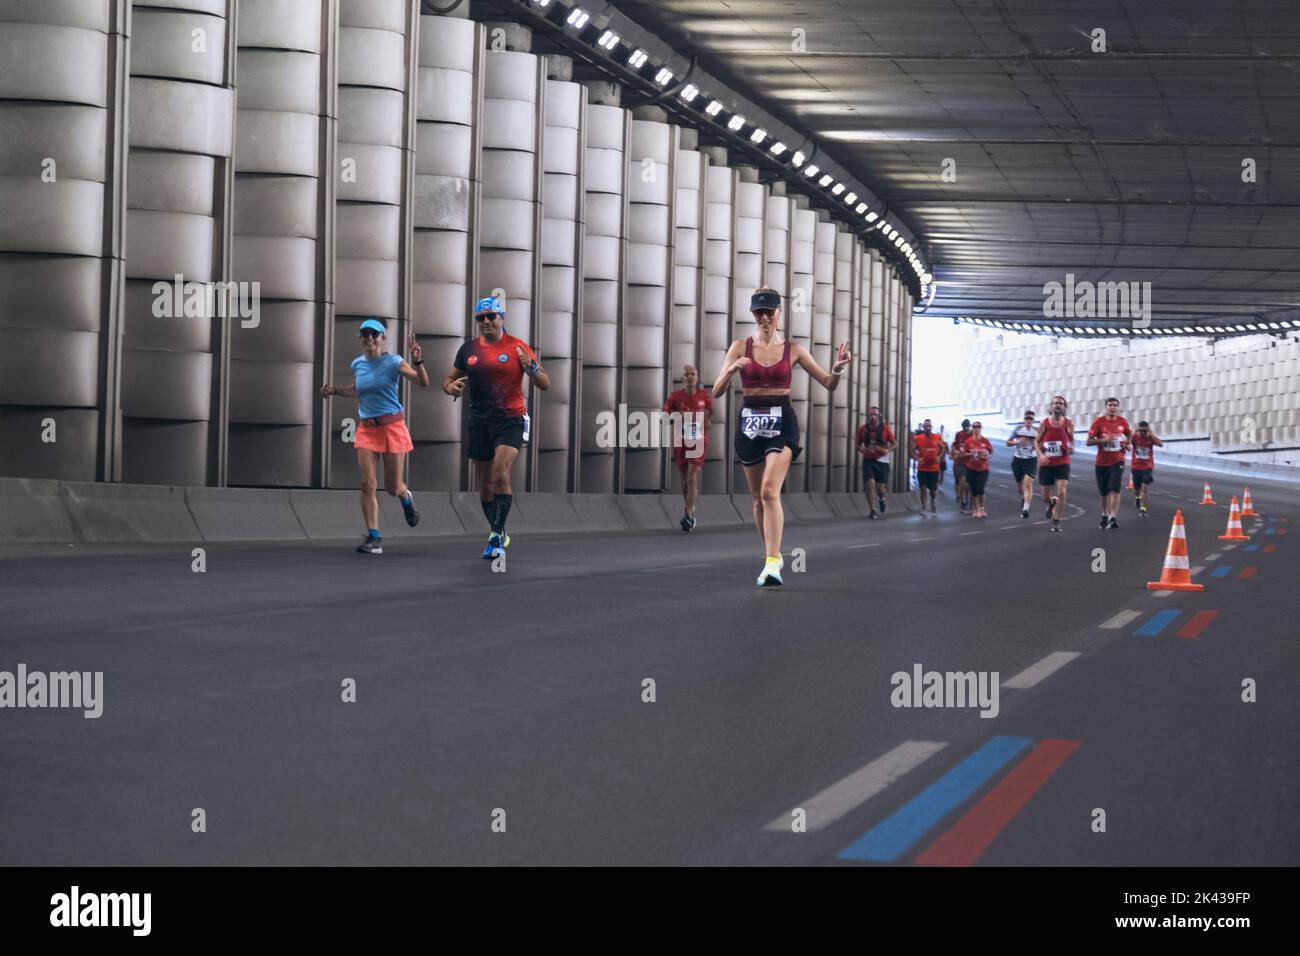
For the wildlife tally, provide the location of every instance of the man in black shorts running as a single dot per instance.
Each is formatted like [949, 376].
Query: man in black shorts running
[875, 442]
[495, 364]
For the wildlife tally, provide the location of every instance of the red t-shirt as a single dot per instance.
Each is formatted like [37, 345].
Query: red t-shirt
[495, 377]
[931, 447]
[1116, 431]
[695, 408]
[1057, 440]
[1144, 452]
[959, 444]
[972, 445]
[885, 435]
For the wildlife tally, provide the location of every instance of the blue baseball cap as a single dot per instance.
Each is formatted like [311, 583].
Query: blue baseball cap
[489, 304]
[374, 324]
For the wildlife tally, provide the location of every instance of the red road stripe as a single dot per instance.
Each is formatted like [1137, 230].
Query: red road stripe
[1248, 571]
[1270, 548]
[1197, 624]
[971, 835]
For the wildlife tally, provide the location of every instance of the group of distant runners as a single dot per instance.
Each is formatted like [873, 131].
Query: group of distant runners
[494, 364]
[1040, 450]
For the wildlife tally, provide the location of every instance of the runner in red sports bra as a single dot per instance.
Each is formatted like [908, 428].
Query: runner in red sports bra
[767, 432]
[1054, 441]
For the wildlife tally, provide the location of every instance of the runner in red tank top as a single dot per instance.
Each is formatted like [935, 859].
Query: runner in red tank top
[1144, 443]
[1054, 441]
[694, 406]
[1110, 433]
[767, 432]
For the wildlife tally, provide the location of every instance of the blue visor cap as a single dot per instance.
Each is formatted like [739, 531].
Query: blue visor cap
[490, 304]
[764, 300]
[372, 324]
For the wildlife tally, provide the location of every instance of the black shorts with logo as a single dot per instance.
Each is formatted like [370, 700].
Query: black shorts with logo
[928, 479]
[873, 470]
[1024, 466]
[1143, 476]
[1110, 478]
[976, 479]
[766, 425]
[486, 434]
[1051, 474]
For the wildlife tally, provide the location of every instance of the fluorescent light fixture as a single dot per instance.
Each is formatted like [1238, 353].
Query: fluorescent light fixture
[1252, 326]
[798, 158]
[714, 108]
[812, 170]
[838, 188]
[826, 180]
[898, 240]
[690, 92]
[777, 148]
[578, 18]
[664, 76]
[872, 217]
[736, 122]
[927, 278]
[850, 199]
[758, 136]
[862, 207]
[608, 40]
[542, 3]
[637, 59]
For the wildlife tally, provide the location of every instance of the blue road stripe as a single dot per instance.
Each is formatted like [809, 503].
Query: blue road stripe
[893, 836]
[1222, 571]
[1270, 530]
[1251, 547]
[1160, 620]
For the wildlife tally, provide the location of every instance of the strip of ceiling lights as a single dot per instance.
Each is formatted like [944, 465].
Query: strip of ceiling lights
[675, 83]
[1282, 327]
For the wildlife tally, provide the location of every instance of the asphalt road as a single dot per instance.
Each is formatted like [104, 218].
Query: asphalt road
[522, 692]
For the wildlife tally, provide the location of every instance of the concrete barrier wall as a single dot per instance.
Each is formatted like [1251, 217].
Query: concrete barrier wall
[45, 511]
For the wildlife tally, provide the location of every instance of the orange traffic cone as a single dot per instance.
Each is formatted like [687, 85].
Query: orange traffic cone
[1176, 576]
[1247, 509]
[1206, 499]
[1234, 525]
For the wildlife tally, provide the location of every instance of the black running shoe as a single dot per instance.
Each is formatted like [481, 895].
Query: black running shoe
[1114, 523]
[873, 516]
[1047, 513]
[1105, 523]
[370, 546]
[412, 513]
[1056, 525]
[685, 522]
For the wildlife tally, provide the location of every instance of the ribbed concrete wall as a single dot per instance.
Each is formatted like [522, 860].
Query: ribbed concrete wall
[602, 271]
[1240, 393]
[443, 255]
[561, 282]
[650, 189]
[282, 216]
[384, 163]
[60, 189]
[181, 135]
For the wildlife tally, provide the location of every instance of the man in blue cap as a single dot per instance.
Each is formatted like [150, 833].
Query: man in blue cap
[494, 364]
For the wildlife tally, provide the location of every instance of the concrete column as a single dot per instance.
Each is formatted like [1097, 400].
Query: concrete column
[63, 131]
[716, 337]
[803, 303]
[749, 268]
[283, 240]
[449, 109]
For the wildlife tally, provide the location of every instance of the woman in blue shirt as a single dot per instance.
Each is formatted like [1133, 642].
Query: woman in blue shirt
[381, 431]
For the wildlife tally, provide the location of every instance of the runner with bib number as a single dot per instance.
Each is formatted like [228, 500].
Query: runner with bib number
[1024, 461]
[767, 432]
[1110, 433]
[1143, 443]
[494, 365]
[695, 408]
[1053, 444]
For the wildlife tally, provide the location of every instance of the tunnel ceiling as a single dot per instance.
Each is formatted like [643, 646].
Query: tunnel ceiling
[1124, 166]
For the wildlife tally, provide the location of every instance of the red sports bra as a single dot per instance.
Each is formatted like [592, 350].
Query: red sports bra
[765, 376]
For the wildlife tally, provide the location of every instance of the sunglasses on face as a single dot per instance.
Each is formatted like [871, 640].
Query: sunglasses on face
[369, 334]
[764, 313]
